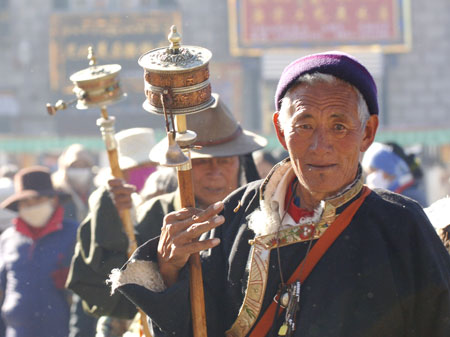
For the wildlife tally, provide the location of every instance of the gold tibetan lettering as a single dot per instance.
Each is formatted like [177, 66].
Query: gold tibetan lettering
[278, 14]
[130, 50]
[299, 15]
[258, 15]
[82, 51]
[383, 13]
[341, 13]
[319, 14]
[71, 51]
[102, 50]
[116, 50]
[362, 13]
[145, 47]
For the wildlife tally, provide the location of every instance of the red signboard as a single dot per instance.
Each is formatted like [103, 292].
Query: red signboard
[260, 24]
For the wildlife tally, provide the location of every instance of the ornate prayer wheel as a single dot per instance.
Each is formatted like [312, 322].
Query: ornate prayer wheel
[96, 86]
[180, 74]
[176, 84]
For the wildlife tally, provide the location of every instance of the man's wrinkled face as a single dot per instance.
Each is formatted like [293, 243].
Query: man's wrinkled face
[214, 178]
[323, 134]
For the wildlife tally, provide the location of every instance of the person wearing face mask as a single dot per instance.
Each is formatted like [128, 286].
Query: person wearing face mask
[386, 167]
[75, 177]
[35, 256]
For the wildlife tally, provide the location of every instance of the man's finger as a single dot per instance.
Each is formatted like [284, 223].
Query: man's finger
[198, 246]
[182, 214]
[208, 213]
[197, 229]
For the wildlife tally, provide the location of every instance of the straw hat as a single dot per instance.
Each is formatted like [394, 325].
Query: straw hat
[31, 182]
[218, 134]
[134, 146]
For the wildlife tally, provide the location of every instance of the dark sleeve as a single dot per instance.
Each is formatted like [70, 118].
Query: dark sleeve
[431, 264]
[169, 310]
[151, 215]
[101, 246]
[421, 266]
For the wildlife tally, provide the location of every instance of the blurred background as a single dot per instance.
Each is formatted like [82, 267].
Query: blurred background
[405, 45]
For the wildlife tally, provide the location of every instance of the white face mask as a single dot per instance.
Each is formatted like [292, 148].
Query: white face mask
[37, 215]
[79, 176]
[376, 179]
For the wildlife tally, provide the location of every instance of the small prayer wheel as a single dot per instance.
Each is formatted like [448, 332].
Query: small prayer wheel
[96, 86]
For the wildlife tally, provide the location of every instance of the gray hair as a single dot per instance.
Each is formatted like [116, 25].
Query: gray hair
[310, 79]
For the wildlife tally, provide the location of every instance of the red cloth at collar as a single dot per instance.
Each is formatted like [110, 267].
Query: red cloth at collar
[53, 225]
[293, 210]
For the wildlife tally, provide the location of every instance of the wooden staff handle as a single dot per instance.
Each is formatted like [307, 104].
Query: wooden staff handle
[125, 216]
[128, 227]
[196, 278]
[187, 197]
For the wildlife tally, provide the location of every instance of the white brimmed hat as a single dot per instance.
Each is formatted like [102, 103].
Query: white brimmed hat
[438, 213]
[134, 146]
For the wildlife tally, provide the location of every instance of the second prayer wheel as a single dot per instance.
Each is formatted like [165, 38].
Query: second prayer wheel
[97, 85]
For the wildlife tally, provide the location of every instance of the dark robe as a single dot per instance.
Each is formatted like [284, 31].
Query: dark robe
[386, 275]
[102, 245]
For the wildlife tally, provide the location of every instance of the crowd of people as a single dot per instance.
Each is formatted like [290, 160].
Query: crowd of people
[325, 238]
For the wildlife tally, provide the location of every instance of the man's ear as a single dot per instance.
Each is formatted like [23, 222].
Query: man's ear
[369, 132]
[278, 128]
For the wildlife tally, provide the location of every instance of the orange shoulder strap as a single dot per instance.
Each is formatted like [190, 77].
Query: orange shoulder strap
[309, 262]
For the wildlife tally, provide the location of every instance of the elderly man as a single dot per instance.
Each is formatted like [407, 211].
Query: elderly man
[219, 167]
[372, 263]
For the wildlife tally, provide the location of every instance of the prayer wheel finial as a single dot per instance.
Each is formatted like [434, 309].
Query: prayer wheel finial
[91, 57]
[174, 39]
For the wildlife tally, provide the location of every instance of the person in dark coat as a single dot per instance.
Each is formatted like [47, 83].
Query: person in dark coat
[309, 251]
[35, 256]
[221, 165]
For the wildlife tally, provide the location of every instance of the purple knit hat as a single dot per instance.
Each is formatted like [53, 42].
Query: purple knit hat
[340, 65]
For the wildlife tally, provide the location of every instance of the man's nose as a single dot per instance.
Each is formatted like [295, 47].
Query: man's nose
[214, 164]
[321, 141]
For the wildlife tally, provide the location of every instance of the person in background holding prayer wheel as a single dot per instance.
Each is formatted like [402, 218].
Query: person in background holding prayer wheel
[221, 165]
[136, 167]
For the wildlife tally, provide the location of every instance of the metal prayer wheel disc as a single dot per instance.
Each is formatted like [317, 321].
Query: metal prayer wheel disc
[173, 155]
[180, 74]
[97, 85]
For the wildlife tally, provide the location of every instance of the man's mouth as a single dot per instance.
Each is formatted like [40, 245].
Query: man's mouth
[214, 190]
[320, 167]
